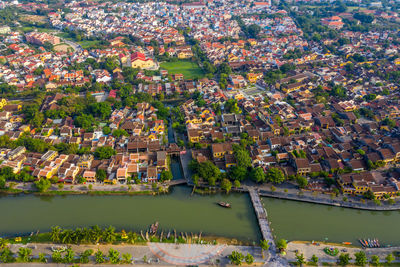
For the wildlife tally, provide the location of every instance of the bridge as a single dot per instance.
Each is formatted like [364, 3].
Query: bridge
[274, 258]
[177, 182]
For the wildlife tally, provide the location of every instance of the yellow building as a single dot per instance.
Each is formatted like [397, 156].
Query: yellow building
[139, 60]
[3, 102]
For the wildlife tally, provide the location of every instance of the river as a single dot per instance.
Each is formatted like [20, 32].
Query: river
[178, 210]
[293, 220]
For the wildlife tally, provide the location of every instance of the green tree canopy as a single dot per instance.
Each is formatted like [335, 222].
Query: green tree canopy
[275, 175]
[104, 152]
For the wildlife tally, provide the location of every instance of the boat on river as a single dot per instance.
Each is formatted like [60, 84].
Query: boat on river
[224, 204]
[370, 243]
[154, 228]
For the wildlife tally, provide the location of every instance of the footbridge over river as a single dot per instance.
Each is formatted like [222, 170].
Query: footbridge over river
[274, 258]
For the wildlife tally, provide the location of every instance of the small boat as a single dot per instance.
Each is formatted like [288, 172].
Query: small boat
[346, 243]
[362, 243]
[224, 204]
[154, 228]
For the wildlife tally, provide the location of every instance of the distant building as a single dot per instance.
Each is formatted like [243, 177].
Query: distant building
[333, 22]
[139, 60]
[40, 38]
[4, 29]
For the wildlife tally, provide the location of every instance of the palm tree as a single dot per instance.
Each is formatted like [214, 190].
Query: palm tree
[96, 233]
[55, 234]
[109, 235]
[77, 235]
[132, 237]
[86, 235]
[3, 243]
[67, 236]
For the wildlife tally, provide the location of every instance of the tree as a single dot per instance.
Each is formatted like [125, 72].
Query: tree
[132, 237]
[24, 254]
[207, 170]
[101, 175]
[166, 176]
[84, 256]
[55, 234]
[6, 255]
[253, 30]
[361, 258]
[281, 244]
[375, 260]
[104, 152]
[226, 185]
[236, 183]
[3, 243]
[264, 245]
[84, 121]
[236, 258]
[314, 259]
[242, 157]
[101, 109]
[106, 130]
[109, 235]
[2, 182]
[56, 257]
[300, 259]
[42, 257]
[238, 173]
[344, 259]
[257, 175]
[275, 175]
[127, 257]
[43, 185]
[249, 259]
[99, 257]
[389, 258]
[69, 256]
[113, 255]
[302, 181]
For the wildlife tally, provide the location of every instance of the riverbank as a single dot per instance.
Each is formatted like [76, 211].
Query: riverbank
[152, 253]
[304, 196]
[309, 249]
[89, 189]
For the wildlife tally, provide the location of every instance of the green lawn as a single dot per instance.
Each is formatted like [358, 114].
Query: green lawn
[190, 70]
[87, 44]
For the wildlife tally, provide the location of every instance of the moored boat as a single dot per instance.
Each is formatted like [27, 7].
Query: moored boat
[224, 204]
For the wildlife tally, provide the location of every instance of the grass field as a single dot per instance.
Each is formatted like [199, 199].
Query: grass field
[190, 70]
[87, 44]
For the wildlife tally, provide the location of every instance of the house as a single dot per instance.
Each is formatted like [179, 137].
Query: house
[85, 161]
[152, 174]
[16, 152]
[334, 22]
[89, 176]
[302, 166]
[139, 60]
[220, 149]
